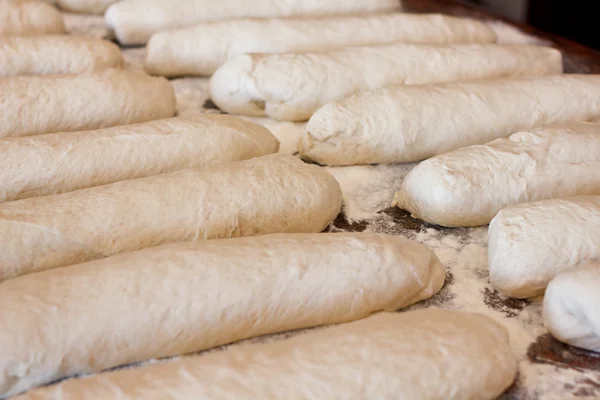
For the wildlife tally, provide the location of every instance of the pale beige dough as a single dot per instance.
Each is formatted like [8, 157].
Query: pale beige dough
[271, 194]
[468, 187]
[56, 54]
[201, 49]
[22, 18]
[412, 123]
[531, 243]
[86, 6]
[198, 295]
[134, 21]
[428, 354]
[291, 87]
[33, 105]
[57, 163]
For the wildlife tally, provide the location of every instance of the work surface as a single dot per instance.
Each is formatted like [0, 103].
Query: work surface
[547, 369]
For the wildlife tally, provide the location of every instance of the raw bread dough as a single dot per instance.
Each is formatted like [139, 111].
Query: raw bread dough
[271, 194]
[469, 186]
[531, 243]
[29, 18]
[412, 123]
[292, 87]
[134, 21]
[57, 163]
[80, 102]
[200, 50]
[428, 354]
[86, 6]
[571, 307]
[199, 295]
[47, 55]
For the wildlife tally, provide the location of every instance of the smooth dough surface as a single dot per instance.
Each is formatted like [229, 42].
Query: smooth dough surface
[531, 243]
[85, 6]
[429, 354]
[135, 21]
[56, 54]
[198, 295]
[81, 102]
[200, 50]
[292, 87]
[57, 163]
[21, 18]
[571, 307]
[468, 187]
[412, 123]
[271, 194]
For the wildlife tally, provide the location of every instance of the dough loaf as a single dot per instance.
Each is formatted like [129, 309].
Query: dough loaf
[48, 54]
[198, 295]
[200, 50]
[426, 354]
[134, 21]
[271, 194]
[29, 18]
[411, 123]
[531, 243]
[469, 186]
[292, 87]
[571, 307]
[80, 102]
[57, 163]
[86, 6]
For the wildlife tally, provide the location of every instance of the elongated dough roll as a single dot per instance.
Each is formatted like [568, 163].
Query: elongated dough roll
[227, 290]
[571, 307]
[57, 163]
[80, 102]
[200, 50]
[291, 87]
[134, 21]
[412, 123]
[271, 194]
[47, 55]
[29, 18]
[469, 186]
[531, 243]
[429, 354]
[86, 6]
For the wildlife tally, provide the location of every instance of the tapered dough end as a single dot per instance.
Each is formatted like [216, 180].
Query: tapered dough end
[97, 7]
[116, 19]
[571, 307]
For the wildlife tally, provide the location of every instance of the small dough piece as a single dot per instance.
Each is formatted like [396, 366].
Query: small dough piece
[21, 18]
[86, 6]
[134, 21]
[200, 50]
[531, 243]
[47, 55]
[271, 194]
[292, 87]
[199, 295]
[58, 163]
[469, 186]
[81, 102]
[571, 307]
[412, 123]
[428, 354]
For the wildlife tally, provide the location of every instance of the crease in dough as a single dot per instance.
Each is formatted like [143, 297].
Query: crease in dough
[22, 18]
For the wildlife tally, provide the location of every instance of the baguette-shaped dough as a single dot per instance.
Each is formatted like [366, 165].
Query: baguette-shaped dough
[57, 163]
[29, 18]
[469, 186]
[412, 123]
[199, 295]
[48, 54]
[200, 50]
[134, 21]
[86, 6]
[428, 354]
[292, 87]
[571, 307]
[34, 105]
[531, 243]
[271, 194]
